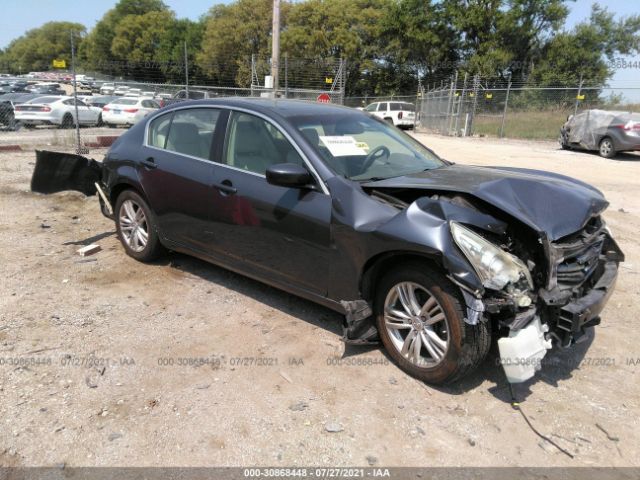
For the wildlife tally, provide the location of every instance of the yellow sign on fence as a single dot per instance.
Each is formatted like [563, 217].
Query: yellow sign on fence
[489, 95]
[59, 63]
[328, 80]
[580, 97]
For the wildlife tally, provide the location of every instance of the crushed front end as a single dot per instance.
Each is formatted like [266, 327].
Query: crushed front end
[558, 289]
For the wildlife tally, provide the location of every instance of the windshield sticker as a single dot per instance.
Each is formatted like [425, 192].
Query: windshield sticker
[363, 146]
[342, 146]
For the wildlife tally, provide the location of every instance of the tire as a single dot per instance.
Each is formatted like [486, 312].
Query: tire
[133, 227]
[606, 148]
[111, 125]
[99, 123]
[67, 121]
[389, 121]
[466, 345]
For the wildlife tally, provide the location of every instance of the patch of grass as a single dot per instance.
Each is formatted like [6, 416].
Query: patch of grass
[531, 125]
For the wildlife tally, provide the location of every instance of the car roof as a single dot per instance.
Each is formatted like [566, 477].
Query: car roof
[283, 107]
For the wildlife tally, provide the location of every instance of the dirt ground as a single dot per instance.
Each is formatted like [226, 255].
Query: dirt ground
[105, 361]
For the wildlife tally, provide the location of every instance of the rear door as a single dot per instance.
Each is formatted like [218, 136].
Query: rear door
[177, 173]
[277, 233]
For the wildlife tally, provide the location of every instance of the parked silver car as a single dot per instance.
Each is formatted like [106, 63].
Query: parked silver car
[607, 132]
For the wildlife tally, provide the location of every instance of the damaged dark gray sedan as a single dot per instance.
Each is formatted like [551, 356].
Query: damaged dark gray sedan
[328, 203]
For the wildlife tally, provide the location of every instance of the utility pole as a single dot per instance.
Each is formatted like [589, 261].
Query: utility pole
[275, 45]
[75, 94]
[186, 71]
[575, 108]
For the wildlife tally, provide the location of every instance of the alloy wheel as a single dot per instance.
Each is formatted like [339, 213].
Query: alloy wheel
[606, 147]
[416, 324]
[134, 225]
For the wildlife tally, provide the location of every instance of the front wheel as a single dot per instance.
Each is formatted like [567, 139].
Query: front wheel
[420, 319]
[136, 227]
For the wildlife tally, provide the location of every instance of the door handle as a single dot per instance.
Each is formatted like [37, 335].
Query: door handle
[226, 187]
[149, 162]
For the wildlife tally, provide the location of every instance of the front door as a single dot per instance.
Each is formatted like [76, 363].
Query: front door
[276, 232]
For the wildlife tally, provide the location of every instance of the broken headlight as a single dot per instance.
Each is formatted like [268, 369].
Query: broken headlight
[496, 268]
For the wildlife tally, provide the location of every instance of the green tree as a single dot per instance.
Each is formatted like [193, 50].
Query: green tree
[333, 29]
[96, 51]
[588, 51]
[35, 50]
[171, 50]
[419, 41]
[232, 34]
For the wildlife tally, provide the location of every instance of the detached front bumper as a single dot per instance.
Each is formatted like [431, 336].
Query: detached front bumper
[585, 311]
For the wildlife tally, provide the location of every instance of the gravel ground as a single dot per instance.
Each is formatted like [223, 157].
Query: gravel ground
[108, 362]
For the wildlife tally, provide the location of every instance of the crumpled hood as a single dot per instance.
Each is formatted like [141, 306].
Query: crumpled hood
[552, 204]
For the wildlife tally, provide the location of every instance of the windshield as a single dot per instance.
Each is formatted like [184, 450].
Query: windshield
[361, 148]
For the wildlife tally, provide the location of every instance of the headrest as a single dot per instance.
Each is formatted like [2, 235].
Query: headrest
[311, 134]
[182, 131]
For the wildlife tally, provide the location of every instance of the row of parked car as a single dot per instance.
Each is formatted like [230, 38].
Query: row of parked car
[33, 109]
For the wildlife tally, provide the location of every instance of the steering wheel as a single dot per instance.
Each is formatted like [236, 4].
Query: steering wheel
[375, 154]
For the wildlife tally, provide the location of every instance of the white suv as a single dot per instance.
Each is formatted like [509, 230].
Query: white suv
[400, 114]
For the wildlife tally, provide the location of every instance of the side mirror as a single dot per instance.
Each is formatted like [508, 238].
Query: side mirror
[289, 175]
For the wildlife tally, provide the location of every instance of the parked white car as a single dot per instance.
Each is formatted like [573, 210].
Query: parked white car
[128, 111]
[134, 92]
[107, 88]
[56, 110]
[401, 114]
[121, 90]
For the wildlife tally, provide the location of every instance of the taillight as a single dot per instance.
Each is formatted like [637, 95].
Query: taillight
[17, 108]
[400, 116]
[45, 109]
[130, 110]
[629, 126]
[105, 109]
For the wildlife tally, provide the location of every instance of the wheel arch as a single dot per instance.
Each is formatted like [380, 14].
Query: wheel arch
[375, 268]
[120, 187]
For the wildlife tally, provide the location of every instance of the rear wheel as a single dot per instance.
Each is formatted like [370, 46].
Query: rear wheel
[99, 123]
[136, 227]
[420, 319]
[607, 150]
[67, 121]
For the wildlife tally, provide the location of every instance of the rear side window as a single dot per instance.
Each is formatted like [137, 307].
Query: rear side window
[382, 107]
[158, 131]
[191, 132]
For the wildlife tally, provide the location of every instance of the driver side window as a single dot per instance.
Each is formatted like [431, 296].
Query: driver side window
[253, 144]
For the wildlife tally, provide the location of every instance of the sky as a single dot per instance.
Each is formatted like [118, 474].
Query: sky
[18, 16]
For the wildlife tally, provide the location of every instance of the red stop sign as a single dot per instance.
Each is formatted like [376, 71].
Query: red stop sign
[324, 98]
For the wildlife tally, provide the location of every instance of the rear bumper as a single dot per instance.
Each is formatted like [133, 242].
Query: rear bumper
[118, 118]
[36, 119]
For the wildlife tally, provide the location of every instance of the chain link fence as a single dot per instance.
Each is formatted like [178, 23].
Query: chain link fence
[141, 87]
[473, 105]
